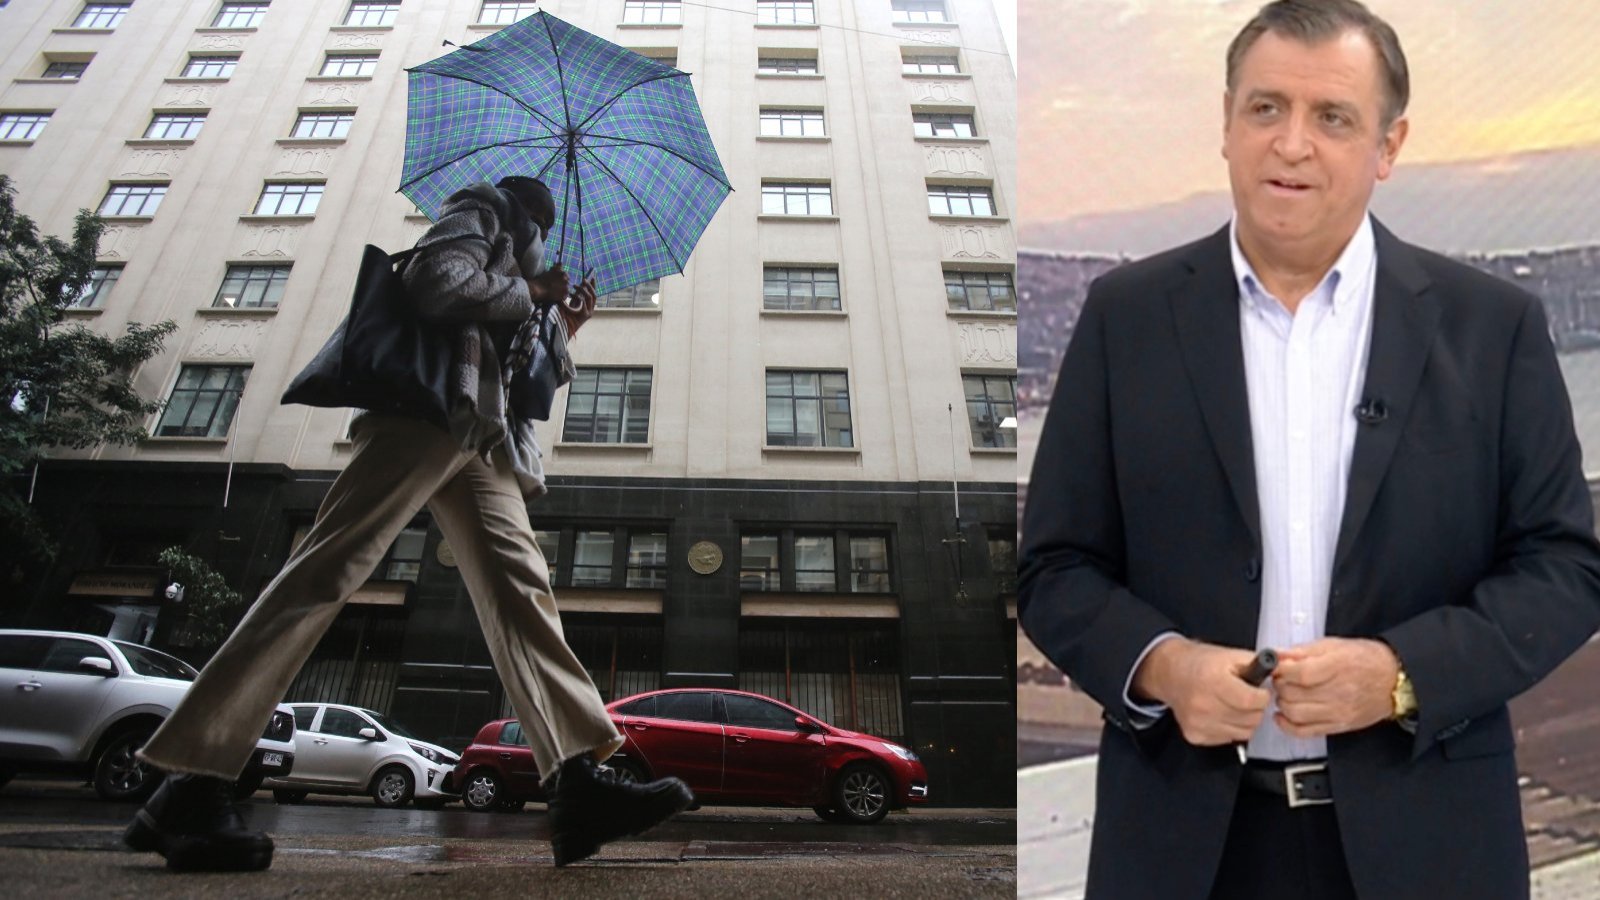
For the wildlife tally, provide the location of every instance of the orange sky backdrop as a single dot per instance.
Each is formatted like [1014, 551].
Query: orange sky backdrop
[1120, 101]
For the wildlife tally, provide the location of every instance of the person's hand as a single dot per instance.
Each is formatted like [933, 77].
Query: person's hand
[550, 287]
[580, 312]
[1200, 682]
[1334, 685]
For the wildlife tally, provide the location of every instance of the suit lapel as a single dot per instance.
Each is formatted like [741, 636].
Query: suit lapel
[1404, 322]
[1205, 312]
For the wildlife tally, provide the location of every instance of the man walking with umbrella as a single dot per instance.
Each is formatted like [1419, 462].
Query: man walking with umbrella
[488, 286]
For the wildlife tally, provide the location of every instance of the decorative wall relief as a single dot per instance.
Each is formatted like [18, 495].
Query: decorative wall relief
[115, 241]
[358, 42]
[335, 94]
[178, 95]
[971, 241]
[228, 339]
[221, 42]
[152, 161]
[269, 241]
[939, 91]
[304, 161]
[945, 37]
[956, 161]
[984, 343]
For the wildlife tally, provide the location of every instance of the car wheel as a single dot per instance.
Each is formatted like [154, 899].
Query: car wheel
[627, 770]
[861, 794]
[289, 798]
[482, 791]
[429, 805]
[829, 814]
[244, 787]
[391, 787]
[119, 775]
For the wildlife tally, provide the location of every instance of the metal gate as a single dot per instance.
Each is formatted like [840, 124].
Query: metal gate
[357, 662]
[843, 671]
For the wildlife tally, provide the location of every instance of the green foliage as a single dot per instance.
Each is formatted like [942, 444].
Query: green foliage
[61, 385]
[210, 606]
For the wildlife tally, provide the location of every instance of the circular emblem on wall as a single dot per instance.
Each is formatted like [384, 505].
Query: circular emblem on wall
[705, 557]
[445, 555]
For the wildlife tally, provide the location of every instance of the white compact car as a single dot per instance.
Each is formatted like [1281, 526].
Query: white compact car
[81, 702]
[350, 750]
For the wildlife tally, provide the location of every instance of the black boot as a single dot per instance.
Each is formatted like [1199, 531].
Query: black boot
[192, 821]
[590, 806]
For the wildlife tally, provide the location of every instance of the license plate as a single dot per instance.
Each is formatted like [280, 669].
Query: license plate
[272, 759]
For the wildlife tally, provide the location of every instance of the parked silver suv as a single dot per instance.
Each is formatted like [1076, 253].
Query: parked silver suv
[87, 703]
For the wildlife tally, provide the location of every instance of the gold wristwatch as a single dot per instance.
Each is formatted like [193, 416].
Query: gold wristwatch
[1404, 696]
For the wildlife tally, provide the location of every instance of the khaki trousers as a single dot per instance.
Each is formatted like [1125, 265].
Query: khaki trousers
[398, 465]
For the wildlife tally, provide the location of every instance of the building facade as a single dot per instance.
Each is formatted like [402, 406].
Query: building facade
[790, 469]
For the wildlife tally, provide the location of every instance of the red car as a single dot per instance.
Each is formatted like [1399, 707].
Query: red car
[732, 747]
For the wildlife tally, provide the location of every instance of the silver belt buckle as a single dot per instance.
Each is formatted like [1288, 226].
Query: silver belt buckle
[1295, 800]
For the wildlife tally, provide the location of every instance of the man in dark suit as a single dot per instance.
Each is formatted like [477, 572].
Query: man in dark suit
[1302, 433]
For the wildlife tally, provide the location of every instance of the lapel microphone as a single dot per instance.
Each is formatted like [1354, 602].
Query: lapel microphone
[1372, 411]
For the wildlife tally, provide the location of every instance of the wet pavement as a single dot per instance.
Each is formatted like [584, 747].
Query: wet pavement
[58, 840]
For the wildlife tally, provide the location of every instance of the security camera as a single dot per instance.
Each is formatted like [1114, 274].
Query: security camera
[175, 592]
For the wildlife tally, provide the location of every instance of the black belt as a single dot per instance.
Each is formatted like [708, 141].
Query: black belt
[1300, 783]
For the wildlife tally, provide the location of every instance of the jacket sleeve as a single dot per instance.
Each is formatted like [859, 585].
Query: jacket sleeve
[1541, 600]
[1072, 599]
[453, 281]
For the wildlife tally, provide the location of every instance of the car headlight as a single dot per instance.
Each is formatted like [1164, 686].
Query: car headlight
[900, 751]
[426, 753]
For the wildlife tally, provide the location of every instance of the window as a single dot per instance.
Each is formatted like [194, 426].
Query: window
[511, 735]
[298, 199]
[944, 125]
[101, 15]
[930, 64]
[668, 58]
[640, 296]
[791, 288]
[175, 126]
[210, 66]
[303, 716]
[404, 559]
[787, 65]
[22, 126]
[758, 563]
[549, 542]
[791, 122]
[1003, 562]
[991, 400]
[342, 723]
[917, 11]
[252, 287]
[813, 562]
[132, 199]
[203, 401]
[94, 295]
[949, 200]
[371, 14]
[644, 706]
[869, 564]
[652, 12]
[323, 125]
[785, 12]
[980, 291]
[647, 560]
[349, 66]
[808, 409]
[65, 654]
[65, 69]
[687, 706]
[504, 12]
[748, 712]
[608, 406]
[591, 559]
[239, 15]
[796, 200]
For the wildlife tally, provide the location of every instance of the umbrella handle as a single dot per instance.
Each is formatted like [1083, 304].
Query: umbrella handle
[568, 300]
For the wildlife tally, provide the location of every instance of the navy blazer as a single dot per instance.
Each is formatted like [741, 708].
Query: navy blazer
[1467, 543]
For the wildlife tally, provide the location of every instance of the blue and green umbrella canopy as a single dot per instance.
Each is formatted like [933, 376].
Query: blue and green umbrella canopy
[618, 138]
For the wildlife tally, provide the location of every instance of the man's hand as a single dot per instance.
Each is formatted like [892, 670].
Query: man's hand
[1201, 684]
[575, 317]
[1334, 685]
[550, 287]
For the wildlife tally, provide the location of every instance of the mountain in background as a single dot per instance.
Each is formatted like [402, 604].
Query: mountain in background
[1524, 201]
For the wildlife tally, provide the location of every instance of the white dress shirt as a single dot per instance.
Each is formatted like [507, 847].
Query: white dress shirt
[1303, 373]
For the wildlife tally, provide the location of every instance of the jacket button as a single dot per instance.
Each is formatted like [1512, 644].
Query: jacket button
[1252, 569]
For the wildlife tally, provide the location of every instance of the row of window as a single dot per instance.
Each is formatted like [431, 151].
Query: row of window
[611, 405]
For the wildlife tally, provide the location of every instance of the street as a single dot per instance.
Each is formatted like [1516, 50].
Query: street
[58, 840]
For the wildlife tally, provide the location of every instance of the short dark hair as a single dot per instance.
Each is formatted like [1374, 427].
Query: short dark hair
[1314, 21]
[533, 194]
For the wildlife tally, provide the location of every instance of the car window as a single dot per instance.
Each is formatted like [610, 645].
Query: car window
[644, 706]
[342, 723]
[752, 713]
[22, 651]
[303, 716]
[65, 653]
[688, 706]
[155, 664]
[512, 735]
[394, 727]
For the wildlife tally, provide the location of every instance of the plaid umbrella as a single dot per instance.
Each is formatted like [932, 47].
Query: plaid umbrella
[618, 138]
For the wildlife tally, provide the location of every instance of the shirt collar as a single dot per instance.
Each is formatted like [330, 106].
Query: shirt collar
[1344, 278]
